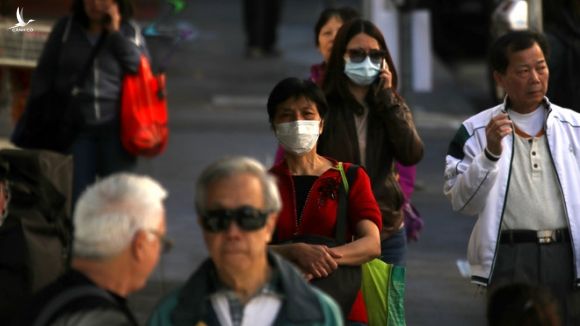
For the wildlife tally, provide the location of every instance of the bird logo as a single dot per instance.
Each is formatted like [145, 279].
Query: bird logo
[21, 22]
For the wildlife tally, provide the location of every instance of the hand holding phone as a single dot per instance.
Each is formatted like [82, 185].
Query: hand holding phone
[385, 78]
[112, 18]
[386, 74]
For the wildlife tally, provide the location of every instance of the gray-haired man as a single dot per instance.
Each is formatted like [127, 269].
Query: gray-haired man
[242, 283]
[516, 167]
[119, 234]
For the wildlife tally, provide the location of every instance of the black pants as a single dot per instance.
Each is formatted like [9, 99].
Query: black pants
[261, 19]
[549, 265]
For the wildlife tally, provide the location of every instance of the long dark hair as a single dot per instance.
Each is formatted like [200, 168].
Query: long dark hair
[336, 82]
[80, 15]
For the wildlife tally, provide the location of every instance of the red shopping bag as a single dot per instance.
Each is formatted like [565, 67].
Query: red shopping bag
[144, 130]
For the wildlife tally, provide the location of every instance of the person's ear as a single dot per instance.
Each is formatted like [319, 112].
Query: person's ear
[498, 77]
[321, 126]
[139, 245]
[271, 225]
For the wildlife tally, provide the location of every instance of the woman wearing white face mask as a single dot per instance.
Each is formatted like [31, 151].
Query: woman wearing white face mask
[309, 185]
[369, 124]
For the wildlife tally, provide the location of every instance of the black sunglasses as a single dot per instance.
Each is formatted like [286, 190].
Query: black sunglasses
[359, 55]
[247, 218]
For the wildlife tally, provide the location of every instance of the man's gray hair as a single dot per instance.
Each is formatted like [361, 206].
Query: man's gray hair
[110, 212]
[230, 166]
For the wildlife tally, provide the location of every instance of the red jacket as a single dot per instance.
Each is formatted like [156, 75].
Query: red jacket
[319, 212]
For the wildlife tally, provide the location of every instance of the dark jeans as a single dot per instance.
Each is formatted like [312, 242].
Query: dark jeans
[261, 19]
[549, 265]
[97, 153]
[394, 248]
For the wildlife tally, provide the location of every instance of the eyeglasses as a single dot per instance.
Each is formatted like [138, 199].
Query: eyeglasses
[359, 55]
[166, 244]
[247, 218]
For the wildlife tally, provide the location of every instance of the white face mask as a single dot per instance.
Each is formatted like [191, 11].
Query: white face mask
[298, 137]
[362, 73]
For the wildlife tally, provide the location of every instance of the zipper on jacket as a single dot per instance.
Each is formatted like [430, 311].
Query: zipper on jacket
[507, 189]
[296, 224]
[96, 90]
[563, 198]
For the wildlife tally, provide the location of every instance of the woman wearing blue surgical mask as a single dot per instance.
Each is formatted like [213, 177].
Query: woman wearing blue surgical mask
[369, 123]
[309, 187]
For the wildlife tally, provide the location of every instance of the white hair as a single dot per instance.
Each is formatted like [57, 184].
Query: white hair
[110, 212]
[233, 166]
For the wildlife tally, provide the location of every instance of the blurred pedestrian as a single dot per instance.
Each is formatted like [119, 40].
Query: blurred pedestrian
[261, 20]
[370, 124]
[515, 166]
[520, 304]
[242, 282]
[328, 24]
[309, 185]
[562, 29]
[118, 236]
[97, 149]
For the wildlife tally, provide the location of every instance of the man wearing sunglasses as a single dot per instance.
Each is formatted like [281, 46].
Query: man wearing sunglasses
[242, 283]
[118, 236]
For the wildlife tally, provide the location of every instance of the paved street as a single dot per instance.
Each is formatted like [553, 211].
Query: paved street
[217, 107]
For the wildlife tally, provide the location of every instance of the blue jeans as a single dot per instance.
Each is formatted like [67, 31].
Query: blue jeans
[394, 248]
[97, 153]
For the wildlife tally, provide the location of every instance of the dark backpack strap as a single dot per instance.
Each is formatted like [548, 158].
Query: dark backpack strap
[59, 301]
[84, 72]
[348, 178]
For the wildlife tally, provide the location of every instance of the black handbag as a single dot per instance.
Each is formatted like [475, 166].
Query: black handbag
[36, 235]
[52, 120]
[344, 283]
[49, 122]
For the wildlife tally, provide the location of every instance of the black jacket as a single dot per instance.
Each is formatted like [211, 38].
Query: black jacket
[65, 53]
[391, 136]
[84, 310]
[302, 304]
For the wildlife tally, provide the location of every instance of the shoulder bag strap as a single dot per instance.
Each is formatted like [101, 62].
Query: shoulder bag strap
[342, 211]
[65, 297]
[87, 66]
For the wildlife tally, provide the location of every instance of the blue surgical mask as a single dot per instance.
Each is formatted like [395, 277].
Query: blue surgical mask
[361, 73]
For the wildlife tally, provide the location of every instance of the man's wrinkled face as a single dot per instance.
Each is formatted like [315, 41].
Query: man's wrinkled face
[525, 79]
[236, 249]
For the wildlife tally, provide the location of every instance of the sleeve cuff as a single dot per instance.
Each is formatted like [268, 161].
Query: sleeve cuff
[490, 156]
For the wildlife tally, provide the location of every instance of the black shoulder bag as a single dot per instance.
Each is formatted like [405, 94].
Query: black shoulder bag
[345, 282]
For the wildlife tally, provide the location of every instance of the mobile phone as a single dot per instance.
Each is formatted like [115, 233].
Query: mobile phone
[379, 84]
